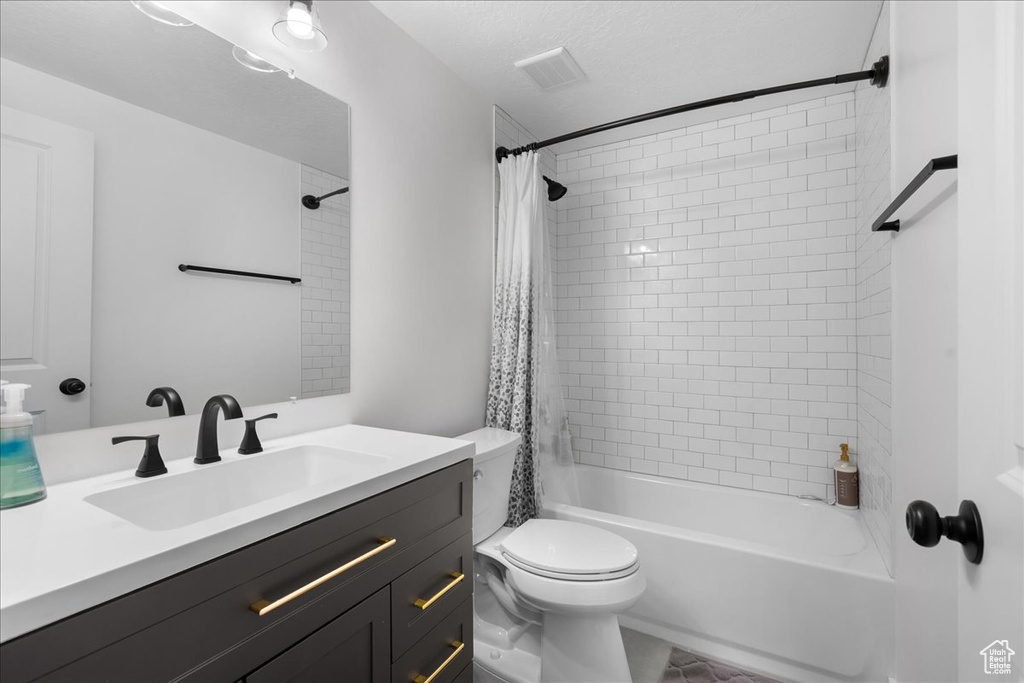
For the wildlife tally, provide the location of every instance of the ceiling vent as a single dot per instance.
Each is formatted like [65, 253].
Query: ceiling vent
[552, 69]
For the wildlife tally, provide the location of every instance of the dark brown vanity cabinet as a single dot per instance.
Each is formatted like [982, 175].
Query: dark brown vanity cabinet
[353, 647]
[378, 591]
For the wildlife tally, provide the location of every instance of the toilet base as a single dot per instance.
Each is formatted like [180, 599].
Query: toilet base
[511, 666]
[575, 649]
[581, 650]
[505, 649]
[482, 675]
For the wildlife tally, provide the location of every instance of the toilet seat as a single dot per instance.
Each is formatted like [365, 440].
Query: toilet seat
[563, 576]
[568, 551]
[577, 597]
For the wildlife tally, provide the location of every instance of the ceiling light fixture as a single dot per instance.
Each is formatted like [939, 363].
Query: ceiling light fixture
[251, 60]
[155, 10]
[299, 27]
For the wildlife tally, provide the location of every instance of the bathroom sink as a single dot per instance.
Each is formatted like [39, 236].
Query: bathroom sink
[177, 500]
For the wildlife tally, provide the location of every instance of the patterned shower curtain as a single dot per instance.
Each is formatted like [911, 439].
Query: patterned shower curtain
[524, 395]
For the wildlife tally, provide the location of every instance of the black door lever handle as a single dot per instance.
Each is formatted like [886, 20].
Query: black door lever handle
[926, 527]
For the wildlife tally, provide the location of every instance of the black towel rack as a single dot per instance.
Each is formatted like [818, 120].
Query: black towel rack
[185, 267]
[881, 224]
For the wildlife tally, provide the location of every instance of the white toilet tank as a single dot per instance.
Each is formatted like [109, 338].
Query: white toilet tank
[492, 477]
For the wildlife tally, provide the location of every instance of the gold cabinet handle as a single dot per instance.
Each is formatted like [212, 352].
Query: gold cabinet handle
[429, 679]
[424, 604]
[262, 607]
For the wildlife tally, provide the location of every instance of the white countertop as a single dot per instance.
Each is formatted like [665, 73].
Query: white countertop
[63, 555]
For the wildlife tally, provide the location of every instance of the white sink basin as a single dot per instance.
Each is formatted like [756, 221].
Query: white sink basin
[177, 500]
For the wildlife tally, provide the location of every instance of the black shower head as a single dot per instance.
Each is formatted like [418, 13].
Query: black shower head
[311, 202]
[556, 190]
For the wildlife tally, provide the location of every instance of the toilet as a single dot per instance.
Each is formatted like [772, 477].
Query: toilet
[547, 593]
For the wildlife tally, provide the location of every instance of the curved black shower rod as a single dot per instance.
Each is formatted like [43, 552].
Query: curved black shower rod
[878, 74]
[311, 202]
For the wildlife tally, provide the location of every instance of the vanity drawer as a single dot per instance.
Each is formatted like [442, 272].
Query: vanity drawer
[352, 648]
[466, 676]
[206, 611]
[445, 650]
[422, 596]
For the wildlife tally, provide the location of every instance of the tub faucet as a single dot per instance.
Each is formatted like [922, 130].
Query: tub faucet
[207, 450]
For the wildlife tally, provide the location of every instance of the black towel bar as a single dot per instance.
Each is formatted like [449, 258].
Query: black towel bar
[184, 267]
[938, 164]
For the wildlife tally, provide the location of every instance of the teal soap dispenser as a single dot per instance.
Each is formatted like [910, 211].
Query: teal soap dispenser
[21, 481]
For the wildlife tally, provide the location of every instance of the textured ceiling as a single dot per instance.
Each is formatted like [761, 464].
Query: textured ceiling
[185, 73]
[638, 56]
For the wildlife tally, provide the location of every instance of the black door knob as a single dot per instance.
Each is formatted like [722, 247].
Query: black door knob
[926, 527]
[72, 386]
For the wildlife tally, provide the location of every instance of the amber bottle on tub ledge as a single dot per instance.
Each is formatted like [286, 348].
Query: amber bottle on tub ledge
[846, 481]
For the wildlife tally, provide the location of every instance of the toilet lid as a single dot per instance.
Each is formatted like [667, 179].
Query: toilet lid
[554, 545]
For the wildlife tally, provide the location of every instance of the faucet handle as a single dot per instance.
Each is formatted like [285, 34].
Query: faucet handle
[251, 441]
[151, 464]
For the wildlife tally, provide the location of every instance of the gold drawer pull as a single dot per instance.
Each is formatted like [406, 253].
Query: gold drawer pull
[263, 607]
[456, 579]
[437, 672]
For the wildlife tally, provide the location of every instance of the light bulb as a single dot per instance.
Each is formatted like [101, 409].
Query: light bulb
[300, 23]
[298, 26]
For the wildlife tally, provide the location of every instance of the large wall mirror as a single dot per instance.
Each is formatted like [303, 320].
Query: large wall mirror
[131, 147]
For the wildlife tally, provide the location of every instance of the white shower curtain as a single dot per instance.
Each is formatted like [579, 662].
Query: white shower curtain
[525, 393]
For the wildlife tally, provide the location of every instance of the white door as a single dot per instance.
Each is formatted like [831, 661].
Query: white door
[958, 415]
[925, 394]
[990, 249]
[46, 202]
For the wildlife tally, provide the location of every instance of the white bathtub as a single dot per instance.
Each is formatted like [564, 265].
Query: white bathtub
[793, 589]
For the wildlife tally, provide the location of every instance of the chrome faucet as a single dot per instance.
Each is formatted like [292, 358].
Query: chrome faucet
[207, 450]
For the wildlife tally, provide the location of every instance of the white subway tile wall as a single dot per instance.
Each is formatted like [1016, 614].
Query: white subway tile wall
[707, 299]
[874, 302]
[326, 302]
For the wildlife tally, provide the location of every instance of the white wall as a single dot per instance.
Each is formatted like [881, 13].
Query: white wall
[705, 292]
[924, 335]
[169, 193]
[422, 216]
[874, 300]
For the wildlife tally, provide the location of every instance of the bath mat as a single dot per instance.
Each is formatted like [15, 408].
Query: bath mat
[684, 667]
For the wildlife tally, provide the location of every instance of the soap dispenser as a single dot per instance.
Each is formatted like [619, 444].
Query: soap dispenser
[21, 481]
[846, 481]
